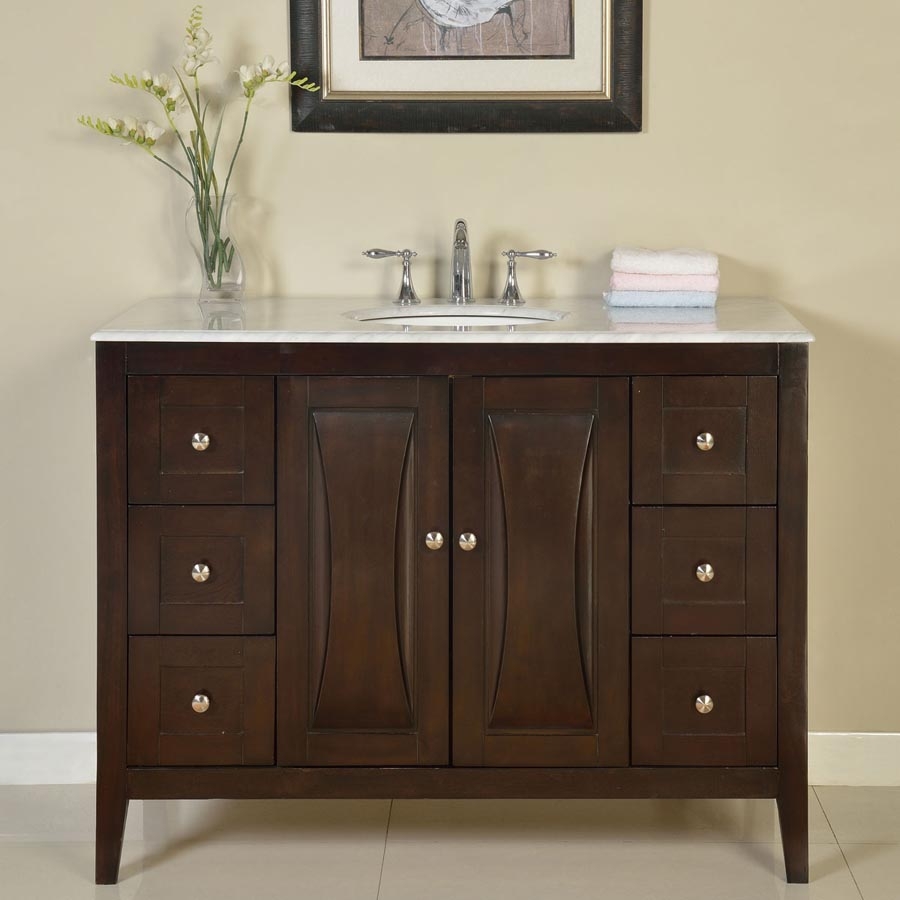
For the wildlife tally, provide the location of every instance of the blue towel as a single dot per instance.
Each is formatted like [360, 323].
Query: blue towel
[661, 298]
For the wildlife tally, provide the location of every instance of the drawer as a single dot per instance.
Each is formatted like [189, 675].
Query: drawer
[201, 701]
[194, 439]
[201, 570]
[703, 701]
[703, 570]
[705, 440]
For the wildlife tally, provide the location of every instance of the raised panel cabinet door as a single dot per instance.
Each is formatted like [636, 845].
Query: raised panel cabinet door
[540, 602]
[363, 617]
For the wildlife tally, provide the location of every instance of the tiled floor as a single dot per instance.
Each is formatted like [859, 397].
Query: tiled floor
[412, 850]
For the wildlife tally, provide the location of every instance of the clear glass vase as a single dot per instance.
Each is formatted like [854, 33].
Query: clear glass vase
[221, 266]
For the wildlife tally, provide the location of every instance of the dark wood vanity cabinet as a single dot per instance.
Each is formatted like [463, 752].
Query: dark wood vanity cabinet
[438, 571]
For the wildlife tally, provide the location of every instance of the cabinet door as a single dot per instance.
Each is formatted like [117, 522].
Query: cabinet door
[540, 605]
[362, 609]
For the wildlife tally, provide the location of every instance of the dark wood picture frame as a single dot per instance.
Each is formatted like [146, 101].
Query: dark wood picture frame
[317, 112]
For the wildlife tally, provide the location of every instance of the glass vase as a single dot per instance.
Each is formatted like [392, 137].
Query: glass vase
[221, 266]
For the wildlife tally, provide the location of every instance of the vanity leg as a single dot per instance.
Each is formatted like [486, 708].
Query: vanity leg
[112, 592]
[112, 810]
[792, 815]
[793, 776]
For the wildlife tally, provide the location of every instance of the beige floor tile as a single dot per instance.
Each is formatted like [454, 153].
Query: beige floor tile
[53, 812]
[863, 815]
[320, 870]
[587, 870]
[876, 868]
[616, 820]
[237, 821]
[66, 813]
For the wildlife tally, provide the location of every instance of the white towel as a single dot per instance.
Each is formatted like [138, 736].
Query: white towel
[661, 298]
[664, 262]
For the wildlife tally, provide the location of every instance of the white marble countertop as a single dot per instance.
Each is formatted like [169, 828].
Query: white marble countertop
[585, 321]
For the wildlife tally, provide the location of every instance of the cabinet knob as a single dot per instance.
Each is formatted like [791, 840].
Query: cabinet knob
[705, 572]
[704, 704]
[434, 540]
[468, 541]
[200, 703]
[200, 572]
[705, 441]
[200, 441]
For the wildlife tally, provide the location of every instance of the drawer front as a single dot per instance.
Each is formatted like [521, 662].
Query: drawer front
[704, 440]
[703, 701]
[195, 439]
[703, 570]
[235, 676]
[201, 570]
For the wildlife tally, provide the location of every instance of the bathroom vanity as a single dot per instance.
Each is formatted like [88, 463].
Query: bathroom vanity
[345, 557]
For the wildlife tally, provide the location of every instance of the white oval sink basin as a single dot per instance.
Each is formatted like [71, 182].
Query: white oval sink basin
[446, 315]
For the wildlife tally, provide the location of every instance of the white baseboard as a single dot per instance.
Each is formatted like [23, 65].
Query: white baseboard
[854, 758]
[71, 758]
[68, 757]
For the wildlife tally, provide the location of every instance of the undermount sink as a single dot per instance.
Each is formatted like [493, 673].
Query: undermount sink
[445, 315]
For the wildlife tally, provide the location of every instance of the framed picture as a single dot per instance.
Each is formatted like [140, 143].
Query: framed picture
[468, 65]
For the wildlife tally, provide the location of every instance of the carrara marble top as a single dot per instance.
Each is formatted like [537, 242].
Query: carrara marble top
[585, 321]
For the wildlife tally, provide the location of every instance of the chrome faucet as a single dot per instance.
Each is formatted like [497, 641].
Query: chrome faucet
[461, 265]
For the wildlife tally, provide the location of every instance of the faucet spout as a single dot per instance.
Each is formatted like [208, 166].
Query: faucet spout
[461, 265]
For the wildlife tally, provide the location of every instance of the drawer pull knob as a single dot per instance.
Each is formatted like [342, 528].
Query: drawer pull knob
[200, 703]
[200, 572]
[705, 573]
[200, 441]
[468, 541]
[704, 704]
[705, 441]
[434, 540]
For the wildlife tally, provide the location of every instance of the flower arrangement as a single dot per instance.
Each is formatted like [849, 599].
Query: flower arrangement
[181, 98]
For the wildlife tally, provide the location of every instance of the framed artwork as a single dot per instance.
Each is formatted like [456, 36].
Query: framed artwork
[468, 65]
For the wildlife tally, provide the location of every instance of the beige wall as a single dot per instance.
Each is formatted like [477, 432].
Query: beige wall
[772, 136]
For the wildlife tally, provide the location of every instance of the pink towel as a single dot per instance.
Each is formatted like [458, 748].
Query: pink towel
[627, 281]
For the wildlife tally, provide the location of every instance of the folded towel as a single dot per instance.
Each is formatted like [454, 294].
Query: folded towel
[628, 281]
[656, 319]
[661, 298]
[664, 262]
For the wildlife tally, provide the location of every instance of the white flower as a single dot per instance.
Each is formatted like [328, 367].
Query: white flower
[268, 66]
[284, 68]
[153, 132]
[129, 124]
[147, 78]
[115, 124]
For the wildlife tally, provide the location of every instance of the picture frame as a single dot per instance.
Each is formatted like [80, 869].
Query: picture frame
[456, 81]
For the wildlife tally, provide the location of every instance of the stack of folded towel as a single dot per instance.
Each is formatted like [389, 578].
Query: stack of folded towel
[663, 278]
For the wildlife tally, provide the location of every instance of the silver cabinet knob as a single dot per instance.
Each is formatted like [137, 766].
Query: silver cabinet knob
[200, 703]
[705, 572]
[704, 704]
[434, 540]
[200, 441]
[468, 541]
[705, 441]
[200, 572]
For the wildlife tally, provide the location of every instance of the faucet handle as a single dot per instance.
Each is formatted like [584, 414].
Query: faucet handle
[529, 254]
[407, 296]
[511, 295]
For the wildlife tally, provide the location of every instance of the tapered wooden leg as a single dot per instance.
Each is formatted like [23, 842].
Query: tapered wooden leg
[112, 591]
[793, 815]
[112, 810]
[792, 587]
